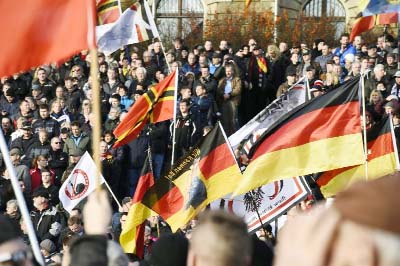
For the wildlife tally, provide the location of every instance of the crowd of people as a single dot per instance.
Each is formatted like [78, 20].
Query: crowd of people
[46, 118]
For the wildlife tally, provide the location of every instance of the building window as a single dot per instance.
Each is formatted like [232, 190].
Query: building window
[176, 18]
[332, 9]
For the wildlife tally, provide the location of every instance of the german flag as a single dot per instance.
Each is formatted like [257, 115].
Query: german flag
[132, 237]
[208, 172]
[381, 161]
[155, 99]
[324, 133]
[108, 11]
[363, 24]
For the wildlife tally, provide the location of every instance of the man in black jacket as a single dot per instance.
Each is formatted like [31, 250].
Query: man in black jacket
[58, 160]
[45, 121]
[25, 143]
[45, 218]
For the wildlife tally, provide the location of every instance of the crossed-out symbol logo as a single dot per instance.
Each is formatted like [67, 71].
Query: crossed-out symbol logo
[77, 185]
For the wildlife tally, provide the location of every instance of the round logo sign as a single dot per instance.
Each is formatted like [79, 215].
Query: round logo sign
[77, 185]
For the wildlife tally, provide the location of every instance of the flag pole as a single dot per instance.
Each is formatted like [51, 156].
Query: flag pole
[94, 69]
[398, 40]
[308, 89]
[174, 122]
[112, 194]
[276, 21]
[364, 125]
[153, 24]
[396, 154]
[237, 163]
[94, 65]
[21, 201]
[119, 7]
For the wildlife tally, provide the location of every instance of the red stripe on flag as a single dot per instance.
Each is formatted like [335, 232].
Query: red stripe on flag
[169, 204]
[387, 18]
[216, 161]
[145, 182]
[140, 240]
[361, 25]
[139, 33]
[320, 124]
[379, 147]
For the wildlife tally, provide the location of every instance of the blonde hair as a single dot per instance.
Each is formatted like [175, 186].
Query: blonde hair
[333, 76]
[274, 48]
[375, 91]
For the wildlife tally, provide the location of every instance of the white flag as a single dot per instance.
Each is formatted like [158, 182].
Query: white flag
[80, 183]
[275, 199]
[295, 96]
[135, 25]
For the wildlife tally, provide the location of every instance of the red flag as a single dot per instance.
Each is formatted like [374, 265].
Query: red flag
[149, 106]
[387, 18]
[208, 172]
[362, 24]
[43, 31]
[366, 23]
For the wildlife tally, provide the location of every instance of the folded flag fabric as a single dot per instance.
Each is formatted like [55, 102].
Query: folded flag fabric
[381, 161]
[135, 25]
[132, 236]
[156, 104]
[324, 133]
[208, 172]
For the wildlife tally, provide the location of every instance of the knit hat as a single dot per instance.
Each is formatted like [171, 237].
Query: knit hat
[15, 151]
[40, 192]
[48, 245]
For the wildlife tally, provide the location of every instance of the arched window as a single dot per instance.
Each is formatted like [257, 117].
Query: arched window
[176, 18]
[327, 8]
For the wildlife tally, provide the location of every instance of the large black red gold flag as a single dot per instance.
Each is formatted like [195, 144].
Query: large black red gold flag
[155, 104]
[208, 172]
[132, 236]
[324, 133]
[381, 161]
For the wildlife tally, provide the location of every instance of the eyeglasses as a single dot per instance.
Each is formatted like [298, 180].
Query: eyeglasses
[57, 142]
[253, 44]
